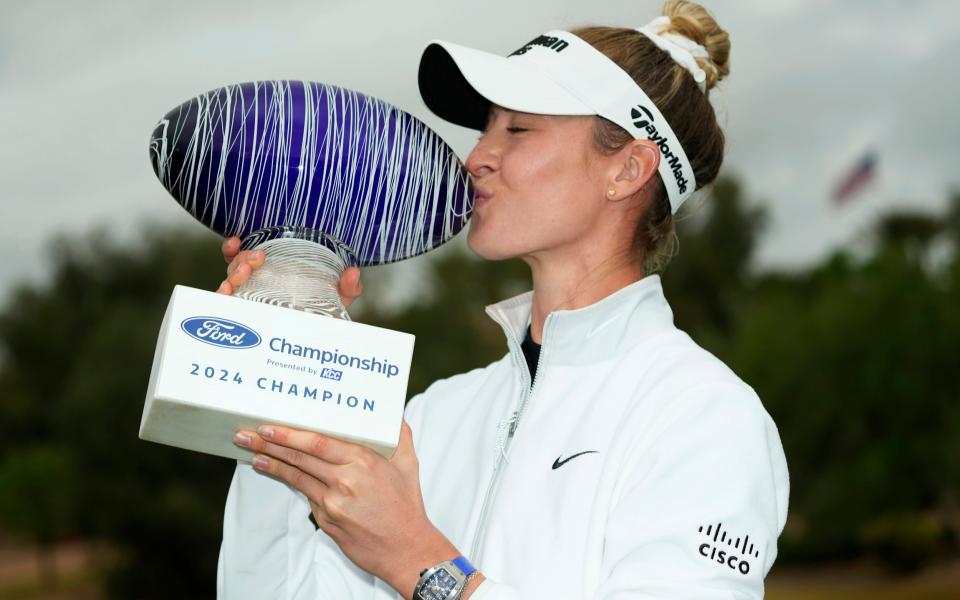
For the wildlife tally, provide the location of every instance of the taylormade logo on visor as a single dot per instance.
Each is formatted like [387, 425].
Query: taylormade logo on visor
[644, 120]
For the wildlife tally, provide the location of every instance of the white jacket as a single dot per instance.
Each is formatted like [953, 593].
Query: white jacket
[682, 492]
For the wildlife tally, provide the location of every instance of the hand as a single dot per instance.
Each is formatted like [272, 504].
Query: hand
[241, 265]
[370, 506]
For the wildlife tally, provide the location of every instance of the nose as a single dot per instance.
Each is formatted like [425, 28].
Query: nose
[484, 157]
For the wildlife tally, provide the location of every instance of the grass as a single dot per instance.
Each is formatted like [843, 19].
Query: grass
[80, 586]
[862, 582]
[80, 569]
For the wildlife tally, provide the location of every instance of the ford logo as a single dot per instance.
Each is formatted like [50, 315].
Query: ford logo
[220, 332]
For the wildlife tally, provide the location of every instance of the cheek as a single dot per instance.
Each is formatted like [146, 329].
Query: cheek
[558, 195]
[546, 198]
[538, 218]
[549, 180]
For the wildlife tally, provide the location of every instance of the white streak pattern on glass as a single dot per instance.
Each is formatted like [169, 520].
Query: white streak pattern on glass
[249, 156]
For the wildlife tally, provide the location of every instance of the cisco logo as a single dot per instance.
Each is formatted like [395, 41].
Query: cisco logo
[220, 332]
[724, 548]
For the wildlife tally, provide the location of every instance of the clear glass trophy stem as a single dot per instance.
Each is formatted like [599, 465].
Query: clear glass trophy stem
[301, 270]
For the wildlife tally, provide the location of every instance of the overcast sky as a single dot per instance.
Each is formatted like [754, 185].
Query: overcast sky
[814, 84]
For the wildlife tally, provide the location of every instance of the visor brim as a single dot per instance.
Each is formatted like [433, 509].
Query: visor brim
[458, 84]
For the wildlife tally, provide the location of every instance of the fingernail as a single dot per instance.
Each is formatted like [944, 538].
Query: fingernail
[265, 431]
[241, 439]
[222, 284]
[260, 462]
[258, 254]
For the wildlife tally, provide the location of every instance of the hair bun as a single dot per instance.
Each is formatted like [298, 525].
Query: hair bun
[692, 21]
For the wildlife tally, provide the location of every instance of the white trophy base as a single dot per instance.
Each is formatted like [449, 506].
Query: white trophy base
[212, 377]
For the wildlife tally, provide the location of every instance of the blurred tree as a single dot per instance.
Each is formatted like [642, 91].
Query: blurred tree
[77, 357]
[908, 234]
[709, 278]
[39, 499]
[857, 363]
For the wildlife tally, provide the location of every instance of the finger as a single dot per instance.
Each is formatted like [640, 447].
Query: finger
[226, 288]
[324, 521]
[236, 262]
[240, 275]
[230, 247]
[405, 443]
[253, 258]
[405, 451]
[324, 447]
[350, 287]
[315, 467]
[310, 486]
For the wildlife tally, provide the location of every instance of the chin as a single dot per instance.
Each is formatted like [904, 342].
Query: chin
[487, 248]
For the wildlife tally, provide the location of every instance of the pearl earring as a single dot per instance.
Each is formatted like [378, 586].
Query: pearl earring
[611, 192]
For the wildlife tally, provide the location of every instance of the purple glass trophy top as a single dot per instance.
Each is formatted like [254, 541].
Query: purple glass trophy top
[276, 155]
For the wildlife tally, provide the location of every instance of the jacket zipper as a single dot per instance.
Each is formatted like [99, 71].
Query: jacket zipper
[529, 388]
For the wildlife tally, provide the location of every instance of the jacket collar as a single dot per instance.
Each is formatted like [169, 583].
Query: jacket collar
[592, 333]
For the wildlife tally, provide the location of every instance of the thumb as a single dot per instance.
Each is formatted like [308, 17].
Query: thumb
[405, 453]
[349, 286]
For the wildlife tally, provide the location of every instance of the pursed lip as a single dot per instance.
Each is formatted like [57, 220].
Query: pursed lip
[481, 196]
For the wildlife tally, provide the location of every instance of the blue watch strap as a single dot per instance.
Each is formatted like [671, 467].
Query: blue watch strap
[464, 565]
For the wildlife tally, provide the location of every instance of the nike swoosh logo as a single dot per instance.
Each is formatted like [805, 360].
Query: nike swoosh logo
[559, 463]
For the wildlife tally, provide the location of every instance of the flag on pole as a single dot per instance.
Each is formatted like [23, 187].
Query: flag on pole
[858, 177]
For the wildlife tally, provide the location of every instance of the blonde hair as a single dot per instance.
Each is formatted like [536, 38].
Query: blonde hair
[687, 109]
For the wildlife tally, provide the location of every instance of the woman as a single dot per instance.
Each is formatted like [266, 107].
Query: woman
[606, 455]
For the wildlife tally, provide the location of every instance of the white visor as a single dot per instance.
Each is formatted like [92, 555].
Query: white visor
[555, 74]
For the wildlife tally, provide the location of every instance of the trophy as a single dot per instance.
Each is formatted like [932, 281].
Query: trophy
[320, 178]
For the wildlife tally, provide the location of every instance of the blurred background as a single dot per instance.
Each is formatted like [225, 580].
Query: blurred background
[822, 267]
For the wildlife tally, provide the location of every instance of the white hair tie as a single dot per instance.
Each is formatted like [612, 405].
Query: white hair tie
[683, 50]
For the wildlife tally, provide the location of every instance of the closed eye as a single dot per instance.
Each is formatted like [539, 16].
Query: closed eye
[509, 129]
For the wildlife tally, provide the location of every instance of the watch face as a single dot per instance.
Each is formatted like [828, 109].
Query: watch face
[438, 586]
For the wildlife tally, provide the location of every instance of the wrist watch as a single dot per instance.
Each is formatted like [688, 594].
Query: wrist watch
[444, 581]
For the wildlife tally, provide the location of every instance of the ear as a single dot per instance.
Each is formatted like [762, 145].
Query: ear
[633, 167]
